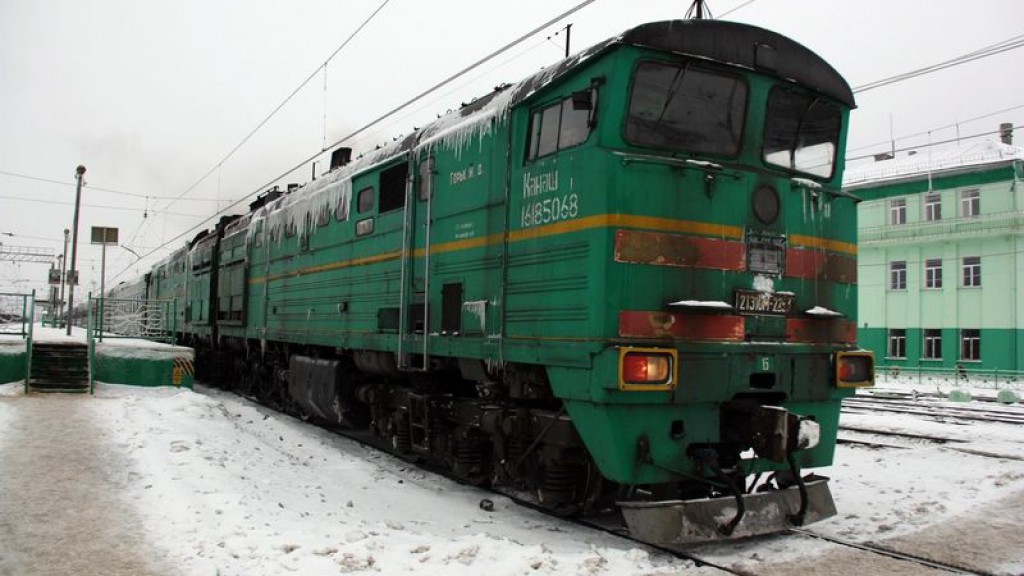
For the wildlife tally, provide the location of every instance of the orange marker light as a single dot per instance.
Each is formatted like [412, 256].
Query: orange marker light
[642, 368]
[855, 369]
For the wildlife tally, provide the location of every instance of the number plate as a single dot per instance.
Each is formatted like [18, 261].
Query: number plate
[763, 303]
[766, 253]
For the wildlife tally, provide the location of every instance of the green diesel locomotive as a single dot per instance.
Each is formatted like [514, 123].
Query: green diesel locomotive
[626, 282]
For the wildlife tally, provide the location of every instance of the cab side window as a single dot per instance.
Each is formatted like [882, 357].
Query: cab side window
[365, 201]
[558, 126]
[392, 187]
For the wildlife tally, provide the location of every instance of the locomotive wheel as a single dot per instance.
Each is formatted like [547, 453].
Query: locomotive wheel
[256, 381]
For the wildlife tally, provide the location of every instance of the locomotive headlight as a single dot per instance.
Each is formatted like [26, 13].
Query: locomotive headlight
[855, 369]
[652, 369]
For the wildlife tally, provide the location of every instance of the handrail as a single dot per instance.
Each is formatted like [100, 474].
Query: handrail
[28, 342]
[91, 341]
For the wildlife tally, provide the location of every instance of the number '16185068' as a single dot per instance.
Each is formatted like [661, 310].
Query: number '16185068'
[550, 210]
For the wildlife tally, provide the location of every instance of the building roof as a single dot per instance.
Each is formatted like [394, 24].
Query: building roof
[948, 160]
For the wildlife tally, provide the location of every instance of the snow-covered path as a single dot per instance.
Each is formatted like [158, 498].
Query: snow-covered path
[60, 508]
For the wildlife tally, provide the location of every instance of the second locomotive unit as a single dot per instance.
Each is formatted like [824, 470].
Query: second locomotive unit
[626, 282]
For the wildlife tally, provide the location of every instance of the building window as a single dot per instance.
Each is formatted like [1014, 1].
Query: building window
[933, 273]
[972, 271]
[970, 203]
[933, 344]
[898, 211]
[898, 275]
[970, 344]
[933, 206]
[897, 343]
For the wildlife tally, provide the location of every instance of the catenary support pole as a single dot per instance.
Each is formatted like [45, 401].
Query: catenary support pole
[79, 172]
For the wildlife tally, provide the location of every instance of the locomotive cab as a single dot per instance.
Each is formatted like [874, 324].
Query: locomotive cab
[731, 283]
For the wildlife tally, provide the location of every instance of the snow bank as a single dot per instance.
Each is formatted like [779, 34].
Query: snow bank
[135, 349]
[12, 348]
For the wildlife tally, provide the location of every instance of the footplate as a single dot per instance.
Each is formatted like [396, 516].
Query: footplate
[680, 522]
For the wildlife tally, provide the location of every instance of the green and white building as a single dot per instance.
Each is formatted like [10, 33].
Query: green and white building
[941, 257]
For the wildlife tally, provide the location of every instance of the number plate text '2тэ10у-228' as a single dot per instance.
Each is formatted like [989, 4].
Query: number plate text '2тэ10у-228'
[766, 303]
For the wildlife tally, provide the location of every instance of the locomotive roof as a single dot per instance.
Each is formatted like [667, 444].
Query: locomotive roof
[729, 43]
[740, 45]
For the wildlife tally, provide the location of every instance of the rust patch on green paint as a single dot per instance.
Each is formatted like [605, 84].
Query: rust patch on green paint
[654, 248]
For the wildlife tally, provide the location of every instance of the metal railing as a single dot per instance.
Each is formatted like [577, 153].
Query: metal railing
[963, 375]
[16, 311]
[132, 318]
[17, 316]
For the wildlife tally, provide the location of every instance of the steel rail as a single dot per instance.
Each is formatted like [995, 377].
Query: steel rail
[895, 554]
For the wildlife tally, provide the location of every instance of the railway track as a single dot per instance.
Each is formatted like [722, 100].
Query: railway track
[927, 408]
[894, 554]
[699, 559]
[897, 557]
[888, 439]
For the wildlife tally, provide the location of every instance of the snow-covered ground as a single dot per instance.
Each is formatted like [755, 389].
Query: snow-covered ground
[223, 486]
[226, 487]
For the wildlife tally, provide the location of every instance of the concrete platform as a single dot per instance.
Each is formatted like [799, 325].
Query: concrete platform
[117, 360]
[62, 511]
[143, 363]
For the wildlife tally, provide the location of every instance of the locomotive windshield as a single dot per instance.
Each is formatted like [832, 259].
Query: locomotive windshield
[801, 132]
[682, 107]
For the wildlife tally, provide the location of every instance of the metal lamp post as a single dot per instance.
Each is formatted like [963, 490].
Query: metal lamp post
[79, 172]
[104, 236]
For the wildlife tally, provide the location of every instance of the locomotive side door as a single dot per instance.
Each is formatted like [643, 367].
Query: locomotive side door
[415, 268]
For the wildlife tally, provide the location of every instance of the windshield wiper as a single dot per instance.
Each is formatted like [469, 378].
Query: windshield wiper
[677, 83]
[799, 130]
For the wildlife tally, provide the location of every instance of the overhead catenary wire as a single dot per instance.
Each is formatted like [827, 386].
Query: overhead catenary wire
[122, 208]
[933, 144]
[97, 188]
[991, 50]
[437, 97]
[279, 106]
[731, 10]
[446, 81]
[219, 165]
[372, 123]
[937, 128]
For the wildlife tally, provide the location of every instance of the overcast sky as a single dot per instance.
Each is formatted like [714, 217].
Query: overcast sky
[150, 95]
